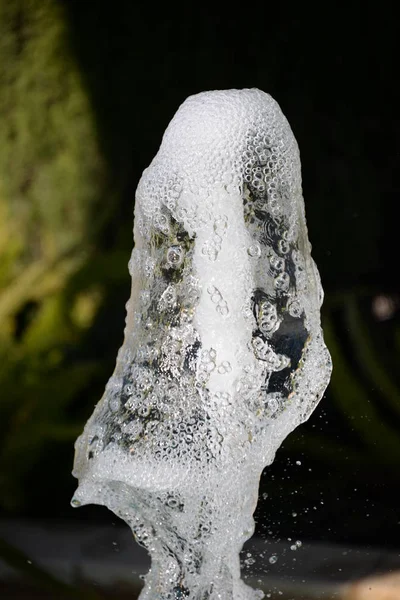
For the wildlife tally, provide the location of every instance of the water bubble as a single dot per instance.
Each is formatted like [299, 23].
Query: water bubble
[176, 190]
[144, 410]
[283, 246]
[225, 367]
[168, 298]
[175, 256]
[282, 281]
[277, 263]
[215, 294]
[161, 222]
[171, 390]
[172, 502]
[220, 225]
[295, 309]
[254, 250]
[222, 308]
[273, 559]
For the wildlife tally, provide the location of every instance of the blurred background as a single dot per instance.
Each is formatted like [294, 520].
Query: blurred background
[86, 91]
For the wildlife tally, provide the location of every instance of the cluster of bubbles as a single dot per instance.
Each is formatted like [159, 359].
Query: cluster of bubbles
[212, 247]
[221, 304]
[222, 344]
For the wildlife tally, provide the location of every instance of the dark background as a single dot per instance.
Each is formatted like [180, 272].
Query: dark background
[87, 90]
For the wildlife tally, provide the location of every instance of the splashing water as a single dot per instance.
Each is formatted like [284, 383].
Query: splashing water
[223, 353]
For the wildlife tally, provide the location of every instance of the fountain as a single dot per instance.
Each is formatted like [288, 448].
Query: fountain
[223, 353]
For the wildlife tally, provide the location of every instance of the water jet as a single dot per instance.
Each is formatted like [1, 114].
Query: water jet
[223, 354]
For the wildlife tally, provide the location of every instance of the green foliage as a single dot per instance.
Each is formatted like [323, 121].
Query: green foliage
[53, 183]
[50, 167]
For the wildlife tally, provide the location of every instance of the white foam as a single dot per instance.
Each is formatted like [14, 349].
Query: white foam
[223, 353]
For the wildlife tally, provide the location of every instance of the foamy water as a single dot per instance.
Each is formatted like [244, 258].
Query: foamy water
[223, 353]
